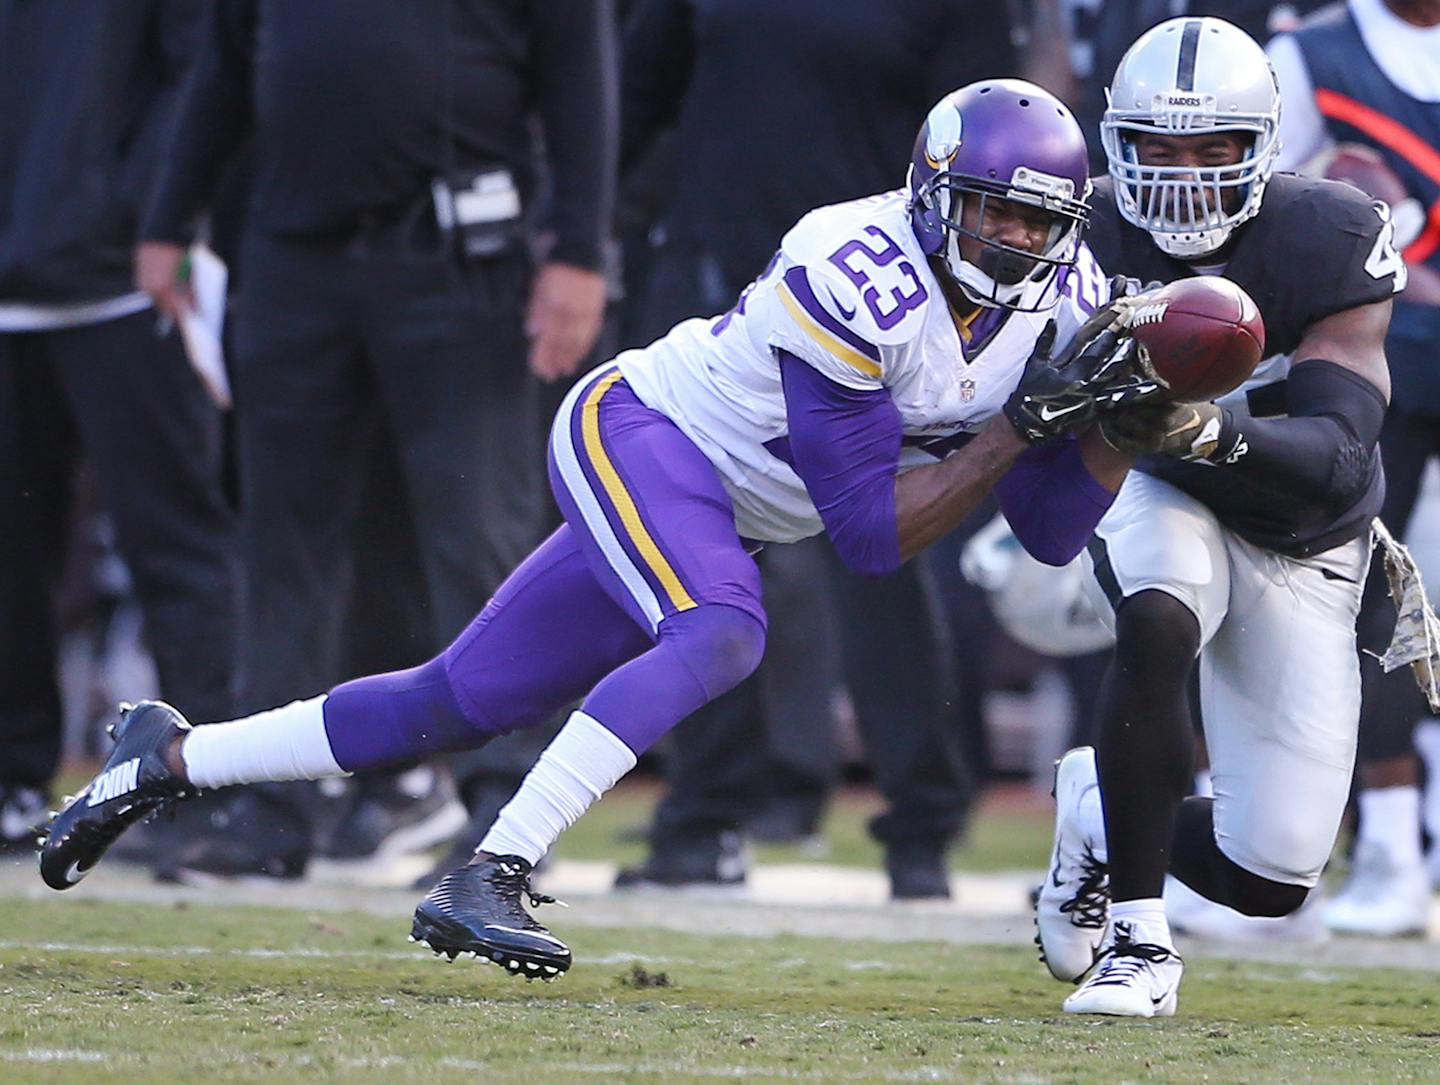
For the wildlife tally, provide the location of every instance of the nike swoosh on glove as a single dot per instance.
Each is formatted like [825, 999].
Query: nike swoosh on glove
[1101, 369]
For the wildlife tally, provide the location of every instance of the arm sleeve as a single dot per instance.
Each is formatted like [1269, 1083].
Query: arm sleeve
[845, 446]
[1324, 451]
[578, 92]
[1052, 501]
[659, 54]
[174, 32]
[213, 119]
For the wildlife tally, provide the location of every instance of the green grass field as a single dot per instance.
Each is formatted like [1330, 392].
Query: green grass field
[167, 994]
[194, 990]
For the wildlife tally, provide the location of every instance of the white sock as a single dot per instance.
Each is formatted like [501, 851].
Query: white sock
[1390, 819]
[1147, 917]
[584, 761]
[286, 743]
[1427, 743]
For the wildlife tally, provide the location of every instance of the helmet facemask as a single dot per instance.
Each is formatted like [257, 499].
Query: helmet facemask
[1189, 210]
[1005, 276]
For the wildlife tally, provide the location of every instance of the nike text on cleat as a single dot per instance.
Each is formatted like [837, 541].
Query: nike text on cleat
[479, 909]
[1072, 907]
[1132, 979]
[133, 784]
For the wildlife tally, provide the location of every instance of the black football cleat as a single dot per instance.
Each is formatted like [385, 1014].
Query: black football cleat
[135, 783]
[477, 909]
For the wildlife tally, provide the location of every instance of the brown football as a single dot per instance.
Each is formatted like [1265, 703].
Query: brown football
[1204, 336]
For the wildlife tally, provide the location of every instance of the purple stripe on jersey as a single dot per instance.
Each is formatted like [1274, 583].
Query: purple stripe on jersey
[1082, 282]
[986, 322]
[846, 445]
[1052, 501]
[1066, 278]
[799, 284]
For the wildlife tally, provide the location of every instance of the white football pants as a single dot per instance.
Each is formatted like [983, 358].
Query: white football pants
[1279, 675]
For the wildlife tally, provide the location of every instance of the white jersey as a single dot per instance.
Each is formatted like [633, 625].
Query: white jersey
[851, 293]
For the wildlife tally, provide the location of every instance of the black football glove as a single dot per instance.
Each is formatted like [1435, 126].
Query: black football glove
[1185, 431]
[1102, 369]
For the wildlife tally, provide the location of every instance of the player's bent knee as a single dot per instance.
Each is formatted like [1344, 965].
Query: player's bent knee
[1285, 871]
[1263, 898]
[1155, 630]
[721, 644]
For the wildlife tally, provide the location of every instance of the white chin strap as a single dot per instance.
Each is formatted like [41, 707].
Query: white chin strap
[985, 291]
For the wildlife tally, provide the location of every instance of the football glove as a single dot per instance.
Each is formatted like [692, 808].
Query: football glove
[1184, 431]
[1102, 369]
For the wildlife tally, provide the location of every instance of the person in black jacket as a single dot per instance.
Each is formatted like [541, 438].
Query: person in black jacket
[826, 89]
[86, 93]
[391, 279]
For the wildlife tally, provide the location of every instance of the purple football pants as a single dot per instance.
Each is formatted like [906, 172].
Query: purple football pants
[645, 598]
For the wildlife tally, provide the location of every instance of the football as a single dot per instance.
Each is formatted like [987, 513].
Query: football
[1204, 336]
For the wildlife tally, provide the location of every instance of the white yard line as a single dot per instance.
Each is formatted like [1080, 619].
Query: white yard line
[664, 1071]
[801, 899]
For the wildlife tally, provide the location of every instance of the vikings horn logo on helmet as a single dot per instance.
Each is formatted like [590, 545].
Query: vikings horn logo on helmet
[942, 134]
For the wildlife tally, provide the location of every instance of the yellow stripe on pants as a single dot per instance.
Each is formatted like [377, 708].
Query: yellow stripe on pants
[620, 497]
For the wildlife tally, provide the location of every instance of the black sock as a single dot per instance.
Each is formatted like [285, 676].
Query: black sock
[1145, 745]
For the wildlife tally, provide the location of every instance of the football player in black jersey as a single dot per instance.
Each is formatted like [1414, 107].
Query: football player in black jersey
[1243, 540]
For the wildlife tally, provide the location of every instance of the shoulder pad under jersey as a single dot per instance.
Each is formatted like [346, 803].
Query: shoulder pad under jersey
[1337, 242]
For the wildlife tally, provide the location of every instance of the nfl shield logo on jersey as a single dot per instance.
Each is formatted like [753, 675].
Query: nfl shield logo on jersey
[967, 390]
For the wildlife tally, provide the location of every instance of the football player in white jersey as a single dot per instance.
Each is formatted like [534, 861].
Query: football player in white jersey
[894, 364]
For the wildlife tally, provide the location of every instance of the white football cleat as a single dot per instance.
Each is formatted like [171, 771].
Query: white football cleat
[1133, 978]
[1382, 898]
[1072, 908]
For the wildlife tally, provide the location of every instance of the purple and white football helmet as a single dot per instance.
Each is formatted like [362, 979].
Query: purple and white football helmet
[1000, 139]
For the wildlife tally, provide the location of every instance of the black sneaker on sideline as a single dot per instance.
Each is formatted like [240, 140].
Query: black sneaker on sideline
[694, 862]
[478, 909]
[135, 783]
[23, 812]
[917, 872]
[398, 814]
[246, 835]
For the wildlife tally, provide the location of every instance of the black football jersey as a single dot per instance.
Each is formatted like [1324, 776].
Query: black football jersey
[1314, 249]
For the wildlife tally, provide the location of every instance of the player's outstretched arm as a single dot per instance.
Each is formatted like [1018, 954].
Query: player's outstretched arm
[1336, 395]
[932, 501]
[1057, 493]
